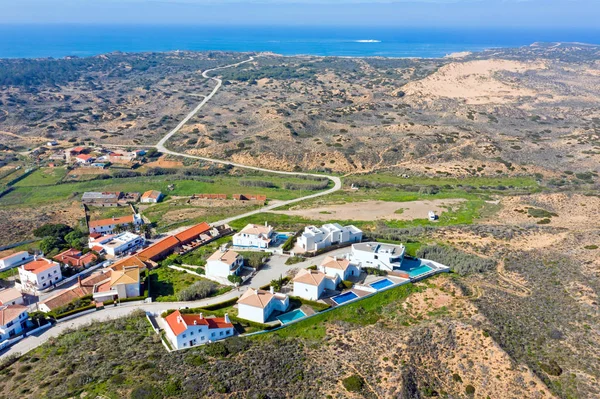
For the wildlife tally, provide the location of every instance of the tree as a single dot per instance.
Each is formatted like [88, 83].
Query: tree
[76, 239]
[146, 230]
[52, 230]
[118, 229]
[48, 244]
[130, 227]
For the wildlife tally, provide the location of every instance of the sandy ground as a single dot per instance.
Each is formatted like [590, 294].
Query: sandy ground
[475, 81]
[163, 163]
[376, 210]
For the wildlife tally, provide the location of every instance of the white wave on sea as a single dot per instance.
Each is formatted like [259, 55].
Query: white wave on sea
[367, 41]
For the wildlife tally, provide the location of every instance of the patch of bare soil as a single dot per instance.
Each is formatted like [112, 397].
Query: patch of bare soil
[377, 210]
[165, 163]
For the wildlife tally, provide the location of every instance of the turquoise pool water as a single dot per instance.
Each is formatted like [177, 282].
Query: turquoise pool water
[381, 284]
[291, 316]
[414, 267]
[345, 297]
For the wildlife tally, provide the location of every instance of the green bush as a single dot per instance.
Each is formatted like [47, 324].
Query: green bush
[72, 312]
[293, 260]
[544, 221]
[470, 390]
[354, 383]
[460, 262]
[234, 278]
[198, 290]
[456, 378]
[540, 213]
[375, 272]
[345, 284]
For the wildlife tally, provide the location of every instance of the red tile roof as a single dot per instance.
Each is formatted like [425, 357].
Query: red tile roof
[157, 249]
[10, 312]
[80, 290]
[39, 265]
[116, 220]
[179, 322]
[84, 157]
[193, 232]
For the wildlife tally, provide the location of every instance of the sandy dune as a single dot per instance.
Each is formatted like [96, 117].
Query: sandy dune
[474, 81]
[376, 210]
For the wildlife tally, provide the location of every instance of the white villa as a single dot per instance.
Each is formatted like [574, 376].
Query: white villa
[119, 284]
[114, 245]
[223, 263]
[11, 296]
[13, 320]
[310, 284]
[254, 236]
[377, 255]
[14, 260]
[314, 238]
[187, 330]
[39, 274]
[106, 226]
[338, 266]
[258, 305]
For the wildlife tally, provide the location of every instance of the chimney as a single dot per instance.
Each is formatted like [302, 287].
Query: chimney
[271, 290]
[195, 322]
[335, 258]
[227, 318]
[201, 316]
[179, 319]
[265, 223]
[79, 281]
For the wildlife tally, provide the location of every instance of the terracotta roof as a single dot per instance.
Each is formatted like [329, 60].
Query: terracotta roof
[179, 322]
[78, 149]
[310, 277]
[10, 312]
[158, 248]
[84, 157]
[97, 248]
[152, 194]
[75, 257]
[15, 254]
[193, 232]
[256, 229]
[128, 275]
[8, 295]
[227, 256]
[128, 261]
[116, 220]
[335, 263]
[79, 291]
[39, 265]
[257, 298]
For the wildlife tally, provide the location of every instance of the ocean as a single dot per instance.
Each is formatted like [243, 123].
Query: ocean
[35, 41]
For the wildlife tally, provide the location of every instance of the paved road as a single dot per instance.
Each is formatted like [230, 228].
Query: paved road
[337, 183]
[274, 269]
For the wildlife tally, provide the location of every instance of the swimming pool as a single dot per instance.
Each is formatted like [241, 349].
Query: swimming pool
[345, 297]
[381, 284]
[291, 316]
[414, 267]
[283, 237]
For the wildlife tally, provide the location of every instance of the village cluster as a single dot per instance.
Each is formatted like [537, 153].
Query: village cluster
[112, 271]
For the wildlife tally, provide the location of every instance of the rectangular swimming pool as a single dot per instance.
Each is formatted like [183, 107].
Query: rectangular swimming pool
[414, 267]
[381, 284]
[345, 297]
[291, 316]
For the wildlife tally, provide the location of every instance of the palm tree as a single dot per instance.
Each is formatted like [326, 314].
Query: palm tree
[146, 230]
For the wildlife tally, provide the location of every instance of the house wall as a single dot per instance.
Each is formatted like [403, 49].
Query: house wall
[15, 260]
[251, 313]
[16, 327]
[217, 268]
[132, 290]
[197, 335]
[41, 280]
[248, 240]
[307, 291]
[370, 259]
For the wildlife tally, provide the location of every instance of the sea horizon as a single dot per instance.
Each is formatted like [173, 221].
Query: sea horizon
[64, 40]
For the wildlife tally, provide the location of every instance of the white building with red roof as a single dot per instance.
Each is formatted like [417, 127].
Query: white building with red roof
[254, 236]
[13, 320]
[14, 260]
[339, 266]
[39, 274]
[258, 305]
[115, 244]
[106, 226]
[84, 159]
[187, 330]
[311, 284]
[224, 263]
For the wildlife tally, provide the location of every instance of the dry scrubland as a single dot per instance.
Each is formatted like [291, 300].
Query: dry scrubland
[518, 319]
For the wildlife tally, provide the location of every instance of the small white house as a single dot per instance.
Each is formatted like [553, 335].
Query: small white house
[113, 245]
[254, 236]
[39, 274]
[310, 284]
[377, 255]
[258, 305]
[13, 320]
[338, 266]
[224, 263]
[11, 296]
[151, 197]
[106, 226]
[14, 260]
[314, 238]
[432, 216]
[187, 330]
[119, 284]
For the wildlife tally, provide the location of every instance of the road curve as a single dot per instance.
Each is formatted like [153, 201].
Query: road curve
[160, 146]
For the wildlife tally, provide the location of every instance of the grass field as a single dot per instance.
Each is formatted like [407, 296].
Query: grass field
[24, 195]
[520, 182]
[165, 283]
[43, 177]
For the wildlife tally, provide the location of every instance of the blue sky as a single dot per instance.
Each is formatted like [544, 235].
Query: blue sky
[557, 14]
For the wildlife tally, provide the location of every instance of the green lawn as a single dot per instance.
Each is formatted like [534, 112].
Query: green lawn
[24, 195]
[527, 182]
[364, 312]
[165, 283]
[43, 177]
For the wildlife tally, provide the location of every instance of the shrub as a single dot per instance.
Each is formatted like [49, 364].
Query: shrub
[374, 271]
[354, 383]
[552, 368]
[198, 290]
[544, 221]
[234, 278]
[345, 284]
[460, 262]
[470, 390]
[540, 213]
[456, 378]
[591, 247]
[146, 392]
[216, 349]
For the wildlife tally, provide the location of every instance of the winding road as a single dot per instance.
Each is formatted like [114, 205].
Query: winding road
[31, 342]
[337, 183]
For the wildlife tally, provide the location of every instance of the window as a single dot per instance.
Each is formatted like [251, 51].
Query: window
[43, 277]
[202, 338]
[55, 278]
[191, 333]
[227, 332]
[44, 285]
[183, 336]
[184, 344]
[212, 335]
[221, 333]
[55, 272]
